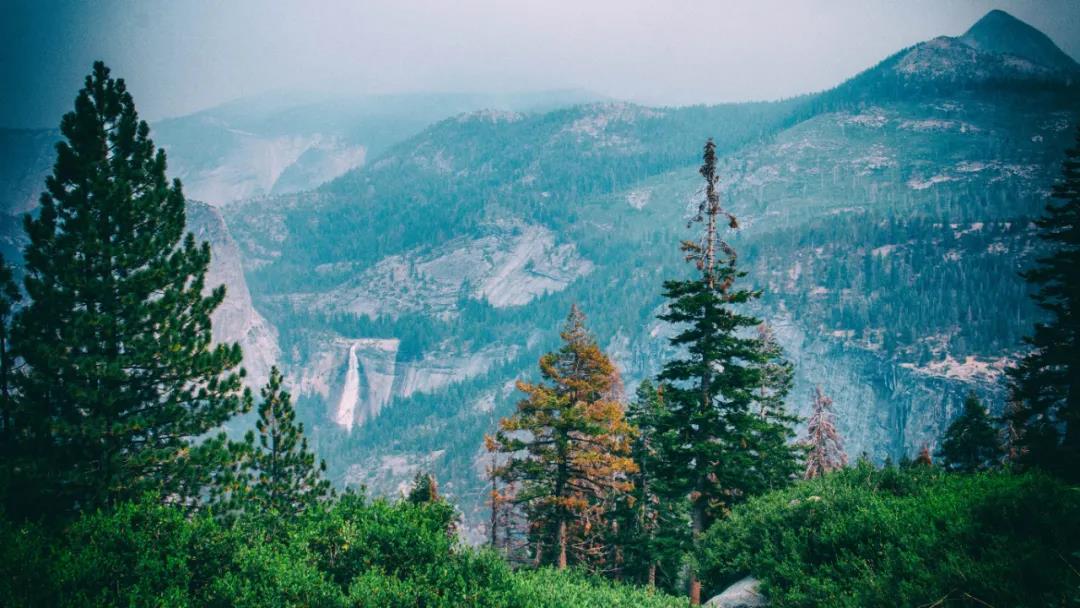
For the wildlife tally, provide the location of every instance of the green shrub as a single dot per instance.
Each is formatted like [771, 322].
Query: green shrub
[863, 537]
[547, 588]
[355, 552]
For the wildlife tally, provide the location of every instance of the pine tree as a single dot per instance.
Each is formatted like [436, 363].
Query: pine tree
[719, 448]
[424, 489]
[279, 473]
[9, 298]
[119, 374]
[971, 443]
[826, 448]
[651, 527]
[923, 459]
[566, 449]
[774, 429]
[1047, 380]
[1012, 450]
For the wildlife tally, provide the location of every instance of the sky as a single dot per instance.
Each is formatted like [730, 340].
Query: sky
[181, 56]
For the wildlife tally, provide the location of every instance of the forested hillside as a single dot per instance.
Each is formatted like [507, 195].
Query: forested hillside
[886, 220]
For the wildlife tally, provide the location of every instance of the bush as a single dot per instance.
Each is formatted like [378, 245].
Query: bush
[904, 537]
[355, 552]
[547, 588]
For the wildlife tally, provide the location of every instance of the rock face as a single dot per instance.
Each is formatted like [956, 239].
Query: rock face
[257, 166]
[369, 380]
[236, 320]
[511, 265]
[357, 377]
[743, 594]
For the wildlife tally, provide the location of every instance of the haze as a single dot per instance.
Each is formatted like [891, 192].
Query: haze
[180, 57]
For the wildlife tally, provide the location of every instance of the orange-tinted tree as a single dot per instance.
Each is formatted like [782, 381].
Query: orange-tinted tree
[565, 452]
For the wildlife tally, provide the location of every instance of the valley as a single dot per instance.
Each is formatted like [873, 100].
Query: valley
[405, 260]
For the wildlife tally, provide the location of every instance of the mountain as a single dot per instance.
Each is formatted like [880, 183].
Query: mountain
[1001, 33]
[270, 144]
[886, 220]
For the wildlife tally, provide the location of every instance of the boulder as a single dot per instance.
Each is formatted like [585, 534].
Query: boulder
[743, 594]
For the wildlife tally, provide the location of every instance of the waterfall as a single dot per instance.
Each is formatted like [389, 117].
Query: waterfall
[350, 394]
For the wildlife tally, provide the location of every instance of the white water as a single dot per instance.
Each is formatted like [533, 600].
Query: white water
[350, 394]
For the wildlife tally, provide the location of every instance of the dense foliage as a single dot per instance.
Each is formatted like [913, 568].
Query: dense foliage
[650, 530]
[356, 552]
[863, 537]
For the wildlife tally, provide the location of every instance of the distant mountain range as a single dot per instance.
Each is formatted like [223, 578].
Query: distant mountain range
[886, 220]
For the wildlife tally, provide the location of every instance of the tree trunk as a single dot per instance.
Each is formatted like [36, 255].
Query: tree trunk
[652, 575]
[494, 508]
[697, 518]
[562, 545]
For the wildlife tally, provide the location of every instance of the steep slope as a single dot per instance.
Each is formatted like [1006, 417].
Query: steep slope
[236, 320]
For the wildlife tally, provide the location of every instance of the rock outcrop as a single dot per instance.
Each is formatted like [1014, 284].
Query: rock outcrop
[236, 320]
[743, 594]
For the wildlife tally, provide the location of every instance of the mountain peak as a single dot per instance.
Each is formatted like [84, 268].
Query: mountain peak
[1001, 33]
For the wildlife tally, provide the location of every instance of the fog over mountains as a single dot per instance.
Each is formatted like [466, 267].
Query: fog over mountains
[406, 258]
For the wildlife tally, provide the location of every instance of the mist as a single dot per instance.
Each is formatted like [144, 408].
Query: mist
[180, 57]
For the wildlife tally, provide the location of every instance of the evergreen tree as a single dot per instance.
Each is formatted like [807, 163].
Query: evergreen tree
[719, 448]
[651, 527]
[826, 448]
[424, 489]
[1047, 380]
[566, 448]
[779, 454]
[971, 442]
[9, 298]
[119, 375]
[923, 459]
[1012, 449]
[278, 473]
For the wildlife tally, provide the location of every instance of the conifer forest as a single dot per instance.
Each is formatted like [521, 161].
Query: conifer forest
[540, 347]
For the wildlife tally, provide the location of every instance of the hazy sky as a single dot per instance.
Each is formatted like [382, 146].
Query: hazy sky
[180, 56]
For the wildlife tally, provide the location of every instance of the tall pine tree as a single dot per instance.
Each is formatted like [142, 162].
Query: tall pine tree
[566, 449]
[1046, 383]
[119, 376]
[971, 443]
[719, 448]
